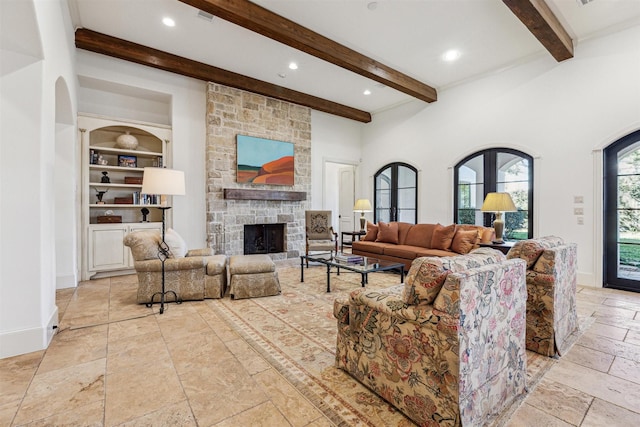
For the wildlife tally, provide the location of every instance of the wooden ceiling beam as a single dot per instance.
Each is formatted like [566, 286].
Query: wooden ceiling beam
[543, 24]
[123, 49]
[262, 21]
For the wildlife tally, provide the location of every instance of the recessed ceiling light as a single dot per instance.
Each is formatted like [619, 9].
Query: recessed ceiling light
[168, 22]
[367, 92]
[293, 66]
[451, 55]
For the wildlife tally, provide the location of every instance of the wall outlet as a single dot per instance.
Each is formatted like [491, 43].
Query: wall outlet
[578, 211]
[578, 199]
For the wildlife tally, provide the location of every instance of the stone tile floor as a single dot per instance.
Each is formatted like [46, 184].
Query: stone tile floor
[101, 370]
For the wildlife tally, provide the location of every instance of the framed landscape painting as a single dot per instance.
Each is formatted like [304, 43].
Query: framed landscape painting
[264, 161]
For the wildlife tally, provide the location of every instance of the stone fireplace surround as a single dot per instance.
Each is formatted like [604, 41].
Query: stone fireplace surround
[231, 112]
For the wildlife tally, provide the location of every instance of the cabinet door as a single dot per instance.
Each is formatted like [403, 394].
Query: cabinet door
[106, 250]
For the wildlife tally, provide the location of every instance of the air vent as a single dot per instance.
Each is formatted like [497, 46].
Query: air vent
[209, 17]
[584, 2]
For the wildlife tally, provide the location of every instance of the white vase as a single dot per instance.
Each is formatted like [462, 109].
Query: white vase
[127, 141]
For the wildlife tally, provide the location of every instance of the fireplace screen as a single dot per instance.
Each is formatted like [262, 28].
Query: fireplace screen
[263, 238]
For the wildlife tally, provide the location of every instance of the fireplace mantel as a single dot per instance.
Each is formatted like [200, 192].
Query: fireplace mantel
[243, 194]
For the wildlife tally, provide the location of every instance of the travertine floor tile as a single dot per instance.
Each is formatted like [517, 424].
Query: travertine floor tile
[197, 351]
[220, 391]
[132, 393]
[75, 346]
[606, 387]
[16, 374]
[560, 401]
[296, 409]
[246, 355]
[604, 414]
[134, 327]
[627, 369]
[62, 390]
[264, 415]
[609, 346]
[176, 415]
[589, 358]
[90, 415]
[528, 416]
[130, 352]
[609, 331]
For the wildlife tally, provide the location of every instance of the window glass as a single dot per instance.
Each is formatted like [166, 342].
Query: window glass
[396, 193]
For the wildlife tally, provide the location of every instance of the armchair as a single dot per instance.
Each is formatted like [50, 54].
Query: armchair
[447, 348]
[551, 288]
[194, 275]
[319, 233]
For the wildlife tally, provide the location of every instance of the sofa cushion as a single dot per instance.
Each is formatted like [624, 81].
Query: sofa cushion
[387, 232]
[528, 250]
[143, 244]
[369, 247]
[176, 243]
[372, 232]
[401, 251]
[433, 252]
[464, 241]
[424, 281]
[443, 236]
[420, 235]
[404, 228]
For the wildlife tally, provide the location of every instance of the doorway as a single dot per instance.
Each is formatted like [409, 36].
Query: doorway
[339, 194]
[622, 214]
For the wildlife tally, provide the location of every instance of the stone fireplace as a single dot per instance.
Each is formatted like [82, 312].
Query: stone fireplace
[231, 112]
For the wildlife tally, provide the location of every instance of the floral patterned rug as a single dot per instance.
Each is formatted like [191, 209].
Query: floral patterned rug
[296, 333]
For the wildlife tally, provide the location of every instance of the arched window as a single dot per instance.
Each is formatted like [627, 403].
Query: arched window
[622, 213]
[495, 170]
[396, 193]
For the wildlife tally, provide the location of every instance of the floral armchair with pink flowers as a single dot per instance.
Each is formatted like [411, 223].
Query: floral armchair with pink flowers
[447, 348]
[551, 288]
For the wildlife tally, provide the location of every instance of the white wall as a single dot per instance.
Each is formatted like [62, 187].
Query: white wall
[187, 118]
[557, 112]
[37, 49]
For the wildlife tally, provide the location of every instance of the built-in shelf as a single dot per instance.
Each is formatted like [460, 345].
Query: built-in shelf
[243, 194]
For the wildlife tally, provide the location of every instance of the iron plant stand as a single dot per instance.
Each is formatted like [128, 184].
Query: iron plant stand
[163, 253]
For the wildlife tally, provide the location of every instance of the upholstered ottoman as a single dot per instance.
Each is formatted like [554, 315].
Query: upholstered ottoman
[252, 276]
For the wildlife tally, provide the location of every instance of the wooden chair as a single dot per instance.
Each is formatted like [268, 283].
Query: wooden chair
[319, 233]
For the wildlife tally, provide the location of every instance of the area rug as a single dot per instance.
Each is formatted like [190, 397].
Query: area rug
[296, 333]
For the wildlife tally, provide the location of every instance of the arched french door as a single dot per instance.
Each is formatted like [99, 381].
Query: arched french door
[622, 213]
[396, 193]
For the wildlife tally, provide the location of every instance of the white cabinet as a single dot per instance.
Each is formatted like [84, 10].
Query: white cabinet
[106, 250]
[112, 203]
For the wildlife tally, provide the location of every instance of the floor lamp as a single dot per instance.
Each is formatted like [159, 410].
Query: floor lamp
[163, 182]
[498, 203]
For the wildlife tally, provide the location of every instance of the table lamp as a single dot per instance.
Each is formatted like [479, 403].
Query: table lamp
[164, 182]
[362, 206]
[498, 203]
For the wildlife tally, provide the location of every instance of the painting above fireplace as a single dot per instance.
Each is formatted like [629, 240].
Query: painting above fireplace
[264, 161]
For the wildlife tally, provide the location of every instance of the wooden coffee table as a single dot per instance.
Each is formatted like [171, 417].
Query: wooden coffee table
[368, 265]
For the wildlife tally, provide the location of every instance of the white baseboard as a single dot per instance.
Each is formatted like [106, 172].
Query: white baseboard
[25, 341]
[68, 281]
[588, 279]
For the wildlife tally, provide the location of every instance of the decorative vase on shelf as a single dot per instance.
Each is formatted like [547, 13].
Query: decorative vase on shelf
[127, 141]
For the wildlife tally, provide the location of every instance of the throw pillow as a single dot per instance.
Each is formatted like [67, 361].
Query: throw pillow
[528, 250]
[387, 232]
[464, 241]
[176, 243]
[372, 232]
[442, 237]
[424, 280]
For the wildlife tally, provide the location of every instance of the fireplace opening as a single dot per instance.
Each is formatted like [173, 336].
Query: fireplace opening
[263, 238]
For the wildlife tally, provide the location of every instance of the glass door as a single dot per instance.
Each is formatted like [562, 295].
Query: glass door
[396, 193]
[622, 214]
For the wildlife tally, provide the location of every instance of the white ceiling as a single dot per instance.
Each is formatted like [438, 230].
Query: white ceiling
[408, 35]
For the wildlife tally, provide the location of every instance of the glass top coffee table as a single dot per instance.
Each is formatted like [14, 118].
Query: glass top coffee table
[364, 267]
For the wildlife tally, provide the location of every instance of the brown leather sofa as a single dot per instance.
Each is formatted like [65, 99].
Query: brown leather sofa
[404, 242]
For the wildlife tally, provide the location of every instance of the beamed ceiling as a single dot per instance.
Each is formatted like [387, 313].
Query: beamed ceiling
[393, 49]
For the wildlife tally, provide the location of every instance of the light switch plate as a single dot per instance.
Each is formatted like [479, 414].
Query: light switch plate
[578, 211]
[578, 199]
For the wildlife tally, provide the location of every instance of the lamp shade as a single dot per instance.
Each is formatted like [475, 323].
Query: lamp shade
[498, 202]
[362, 205]
[162, 181]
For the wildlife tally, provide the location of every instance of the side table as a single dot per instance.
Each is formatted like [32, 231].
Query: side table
[353, 234]
[502, 247]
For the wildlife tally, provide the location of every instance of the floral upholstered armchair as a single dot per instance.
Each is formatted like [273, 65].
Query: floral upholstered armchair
[192, 275]
[551, 288]
[447, 348]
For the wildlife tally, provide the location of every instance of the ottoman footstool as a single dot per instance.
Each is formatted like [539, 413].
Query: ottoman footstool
[252, 276]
